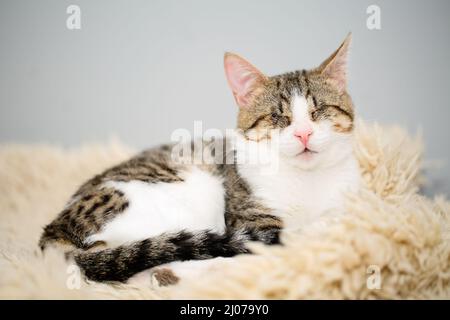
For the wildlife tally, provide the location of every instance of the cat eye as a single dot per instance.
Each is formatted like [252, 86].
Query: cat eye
[315, 114]
[274, 116]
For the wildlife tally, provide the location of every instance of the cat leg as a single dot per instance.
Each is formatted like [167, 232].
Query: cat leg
[258, 224]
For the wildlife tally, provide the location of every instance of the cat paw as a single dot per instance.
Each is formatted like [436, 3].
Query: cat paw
[163, 277]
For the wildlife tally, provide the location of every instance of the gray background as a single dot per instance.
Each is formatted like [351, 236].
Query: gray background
[140, 69]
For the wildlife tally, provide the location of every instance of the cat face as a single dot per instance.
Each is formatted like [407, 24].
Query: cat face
[309, 112]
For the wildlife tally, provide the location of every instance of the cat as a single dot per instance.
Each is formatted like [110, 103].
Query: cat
[152, 210]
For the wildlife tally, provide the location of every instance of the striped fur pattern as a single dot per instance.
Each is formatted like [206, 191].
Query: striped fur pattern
[94, 205]
[120, 263]
[265, 105]
[272, 109]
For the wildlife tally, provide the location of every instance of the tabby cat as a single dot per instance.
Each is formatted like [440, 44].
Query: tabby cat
[153, 210]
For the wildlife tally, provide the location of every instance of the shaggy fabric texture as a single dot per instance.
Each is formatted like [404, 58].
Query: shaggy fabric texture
[392, 243]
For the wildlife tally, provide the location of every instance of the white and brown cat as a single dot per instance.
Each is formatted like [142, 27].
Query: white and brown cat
[153, 210]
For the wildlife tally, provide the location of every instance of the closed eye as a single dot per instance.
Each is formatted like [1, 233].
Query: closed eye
[337, 108]
[280, 107]
[274, 116]
[257, 122]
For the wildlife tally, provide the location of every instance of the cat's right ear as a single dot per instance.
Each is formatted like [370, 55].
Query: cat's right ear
[245, 80]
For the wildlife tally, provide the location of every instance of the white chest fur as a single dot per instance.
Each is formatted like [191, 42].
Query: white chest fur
[302, 196]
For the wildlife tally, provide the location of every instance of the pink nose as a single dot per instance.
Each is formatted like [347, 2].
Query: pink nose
[303, 135]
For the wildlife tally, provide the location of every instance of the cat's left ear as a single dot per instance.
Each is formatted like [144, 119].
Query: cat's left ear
[335, 67]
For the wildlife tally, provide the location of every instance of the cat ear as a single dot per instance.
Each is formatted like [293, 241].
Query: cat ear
[335, 67]
[244, 79]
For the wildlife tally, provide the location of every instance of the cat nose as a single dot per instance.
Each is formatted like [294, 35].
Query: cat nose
[303, 134]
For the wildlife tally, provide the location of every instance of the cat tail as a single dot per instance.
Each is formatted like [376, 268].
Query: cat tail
[120, 263]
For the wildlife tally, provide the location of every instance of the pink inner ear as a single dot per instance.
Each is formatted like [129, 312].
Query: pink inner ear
[337, 73]
[336, 66]
[242, 78]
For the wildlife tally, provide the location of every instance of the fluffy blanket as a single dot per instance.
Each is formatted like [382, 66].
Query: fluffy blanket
[393, 242]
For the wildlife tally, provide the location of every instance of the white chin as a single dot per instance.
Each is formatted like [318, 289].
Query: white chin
[303, 160]
[307, 156]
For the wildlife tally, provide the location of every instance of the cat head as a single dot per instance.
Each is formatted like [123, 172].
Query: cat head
[310, 111]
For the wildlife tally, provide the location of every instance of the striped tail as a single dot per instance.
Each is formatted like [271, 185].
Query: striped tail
[120, 263]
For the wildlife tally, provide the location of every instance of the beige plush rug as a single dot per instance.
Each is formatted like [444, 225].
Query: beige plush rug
[393, 243]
